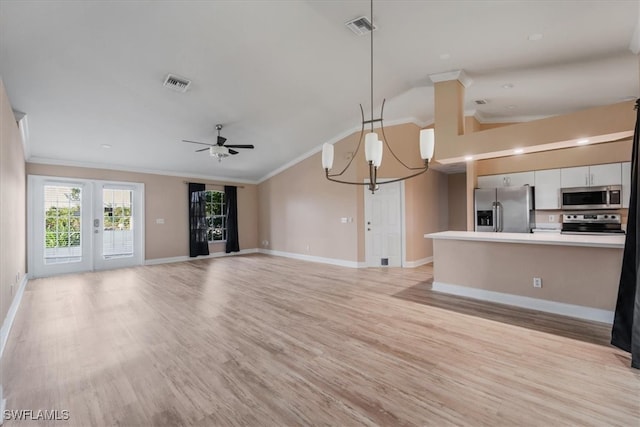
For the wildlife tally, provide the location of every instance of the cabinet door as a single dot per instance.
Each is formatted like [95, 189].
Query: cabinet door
[574, 177]
[626, 184]
[609, 174]
[547, 189]
[491, 181]
[520, 179]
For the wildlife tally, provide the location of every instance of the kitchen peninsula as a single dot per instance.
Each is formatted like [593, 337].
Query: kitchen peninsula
[579, 273]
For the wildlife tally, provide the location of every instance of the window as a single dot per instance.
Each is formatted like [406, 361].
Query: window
[216, 219]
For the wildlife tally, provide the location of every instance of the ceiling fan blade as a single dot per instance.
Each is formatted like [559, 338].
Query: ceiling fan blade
[196, 142]
[240, 146]
[221, 140]
[203, 149]
[233, 151]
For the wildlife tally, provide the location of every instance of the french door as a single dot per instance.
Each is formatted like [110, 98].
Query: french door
[83, 225]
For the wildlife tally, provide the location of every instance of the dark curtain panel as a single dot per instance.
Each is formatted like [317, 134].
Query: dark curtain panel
[198, 242]
[231, 200]
[626, 323]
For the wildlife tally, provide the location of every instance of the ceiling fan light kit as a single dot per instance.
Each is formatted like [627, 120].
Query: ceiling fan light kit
[373, 145]
[219, 150]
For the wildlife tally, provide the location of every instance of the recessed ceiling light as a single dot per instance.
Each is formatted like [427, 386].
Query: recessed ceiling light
[582, 141]
[105, 146]
[468, 158]
[507, 86]
[445, 56]
[518, 150]
[535, 37]
[510, 107]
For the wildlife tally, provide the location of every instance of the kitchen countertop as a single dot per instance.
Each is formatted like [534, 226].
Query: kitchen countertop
[608, 241]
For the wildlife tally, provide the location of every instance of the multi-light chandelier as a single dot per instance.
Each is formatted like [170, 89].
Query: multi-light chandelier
[373, 146]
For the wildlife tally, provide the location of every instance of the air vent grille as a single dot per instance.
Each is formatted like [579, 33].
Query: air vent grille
[360, 26]
[179, 84]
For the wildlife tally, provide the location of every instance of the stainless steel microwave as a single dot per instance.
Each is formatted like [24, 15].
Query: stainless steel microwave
[606, 197]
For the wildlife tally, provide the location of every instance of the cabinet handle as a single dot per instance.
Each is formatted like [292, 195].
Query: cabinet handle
[591, 183]
[586, 180]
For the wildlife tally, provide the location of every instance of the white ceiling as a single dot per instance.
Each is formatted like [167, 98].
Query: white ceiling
[287, 76]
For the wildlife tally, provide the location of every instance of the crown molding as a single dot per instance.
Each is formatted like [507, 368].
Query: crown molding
[91, 165]
[512, 119]
[459, 75]
[335, 139]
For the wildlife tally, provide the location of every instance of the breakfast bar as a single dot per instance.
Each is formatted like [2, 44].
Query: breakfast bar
[573, 275]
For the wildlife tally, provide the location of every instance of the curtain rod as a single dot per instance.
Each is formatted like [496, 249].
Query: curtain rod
[215, 183]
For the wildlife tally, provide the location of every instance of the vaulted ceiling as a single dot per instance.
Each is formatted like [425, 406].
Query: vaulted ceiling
[287, 76]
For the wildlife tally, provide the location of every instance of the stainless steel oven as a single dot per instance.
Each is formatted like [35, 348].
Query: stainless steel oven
[607, 197]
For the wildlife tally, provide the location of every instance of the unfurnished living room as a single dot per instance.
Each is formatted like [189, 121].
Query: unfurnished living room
[307, 212]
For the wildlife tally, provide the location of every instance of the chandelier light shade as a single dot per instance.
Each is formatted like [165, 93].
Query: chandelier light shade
[327, 156]
[427, 143]
[373, 146]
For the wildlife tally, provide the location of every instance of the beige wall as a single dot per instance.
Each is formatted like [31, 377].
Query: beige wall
[300, 211]
[299, 208]
[166, 197]
[12, 205]
[601, 123]
[610, 152]
[457, 191]
[570, 274]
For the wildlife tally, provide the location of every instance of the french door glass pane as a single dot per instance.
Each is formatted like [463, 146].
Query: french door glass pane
[117, 222]
[62, 228]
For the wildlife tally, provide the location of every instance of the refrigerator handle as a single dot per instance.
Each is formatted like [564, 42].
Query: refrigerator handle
[494, 209]
[499, 211]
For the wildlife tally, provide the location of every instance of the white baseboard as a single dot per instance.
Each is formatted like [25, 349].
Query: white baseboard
[311, 258]
[11, 314]
[156, 261]
[578, 311]
[418, 263]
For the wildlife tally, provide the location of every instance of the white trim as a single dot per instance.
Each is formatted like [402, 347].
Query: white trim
[571, 310]
[92, 165]
[157, 261]
[458, 75]
[311, 258]
[3, 405]
[512, 119]
[335, 139]
[11, 315]
[419, 262]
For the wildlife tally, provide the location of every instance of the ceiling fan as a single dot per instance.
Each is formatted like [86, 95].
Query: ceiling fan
[220, 150]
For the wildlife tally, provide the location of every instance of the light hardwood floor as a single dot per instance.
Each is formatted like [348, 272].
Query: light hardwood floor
[268, 341]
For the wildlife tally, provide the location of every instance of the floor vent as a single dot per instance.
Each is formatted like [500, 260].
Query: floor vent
[360, 26]
[179, 84]
[384, 261]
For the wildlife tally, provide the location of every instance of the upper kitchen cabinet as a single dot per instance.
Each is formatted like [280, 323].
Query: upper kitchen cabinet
[518, 179]
[547, 189]
[626, 184]
[587, 176]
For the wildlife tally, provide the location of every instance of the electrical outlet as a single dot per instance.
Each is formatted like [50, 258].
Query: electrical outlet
[537, 282]
[552, 218]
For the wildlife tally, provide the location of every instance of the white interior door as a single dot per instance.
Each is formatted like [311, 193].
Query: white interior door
[383, 226]
[83, 225]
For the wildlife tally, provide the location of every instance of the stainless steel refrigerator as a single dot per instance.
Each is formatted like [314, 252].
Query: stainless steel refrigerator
[505, 209]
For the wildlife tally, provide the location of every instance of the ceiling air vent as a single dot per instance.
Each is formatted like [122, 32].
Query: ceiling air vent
[480, 101]
[179, 84]
[360, 26]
